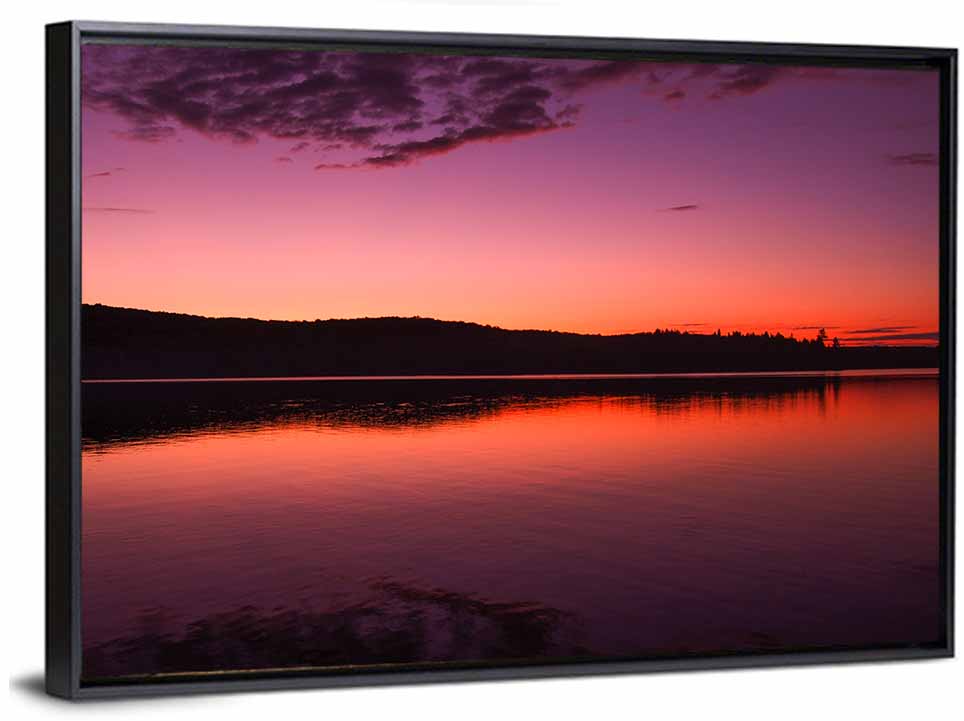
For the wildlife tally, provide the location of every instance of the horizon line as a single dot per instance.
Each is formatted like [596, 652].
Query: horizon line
[923, 372]
[853, 339]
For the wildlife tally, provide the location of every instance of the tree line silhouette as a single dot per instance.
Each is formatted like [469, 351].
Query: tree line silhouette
[120, 343]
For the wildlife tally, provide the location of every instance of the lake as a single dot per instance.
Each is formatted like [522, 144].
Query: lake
[331, 522]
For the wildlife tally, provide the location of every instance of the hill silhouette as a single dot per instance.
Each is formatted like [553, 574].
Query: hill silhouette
[124, 343]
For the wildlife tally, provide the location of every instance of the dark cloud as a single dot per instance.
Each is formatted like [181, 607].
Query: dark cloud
[913, 159]
[601, 73]
[494, 77]
[929, 336]
[745, 79]
[408, 126]
[408, 152]
[372, 110]
[702, 70]
[569, 112]
[883, 329]
[283, 159]
[680, 208]
[815, 327]
[147, 133]
[672, 82]
[142, 211]
[102, 174]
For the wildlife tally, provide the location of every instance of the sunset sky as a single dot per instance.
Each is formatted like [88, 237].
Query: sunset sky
[580, 195]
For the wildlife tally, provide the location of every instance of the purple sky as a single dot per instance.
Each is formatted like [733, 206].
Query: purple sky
[590, 196]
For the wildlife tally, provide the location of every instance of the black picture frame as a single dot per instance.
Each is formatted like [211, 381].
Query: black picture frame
[63, 307]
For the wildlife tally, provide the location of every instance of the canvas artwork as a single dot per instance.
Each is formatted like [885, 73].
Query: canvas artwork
[428, 359]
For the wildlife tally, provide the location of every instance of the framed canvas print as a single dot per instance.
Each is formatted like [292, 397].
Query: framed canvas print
[387, 357]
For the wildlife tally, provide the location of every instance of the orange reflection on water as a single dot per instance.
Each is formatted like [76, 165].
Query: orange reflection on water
[662, 521]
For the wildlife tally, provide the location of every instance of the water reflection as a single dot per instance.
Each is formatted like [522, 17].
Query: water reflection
[239, 525]
[125, 412]
[393, 623]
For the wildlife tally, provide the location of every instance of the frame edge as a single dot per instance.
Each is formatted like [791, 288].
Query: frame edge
[948, 191]
[63, 660]
[273, 35]
[62, 502]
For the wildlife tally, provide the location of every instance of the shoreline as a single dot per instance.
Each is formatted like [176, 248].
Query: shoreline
[848, 373]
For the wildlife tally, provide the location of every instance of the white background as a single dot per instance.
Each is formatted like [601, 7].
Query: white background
[920, 690]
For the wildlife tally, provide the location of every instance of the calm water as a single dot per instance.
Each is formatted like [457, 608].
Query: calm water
[250, 525]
